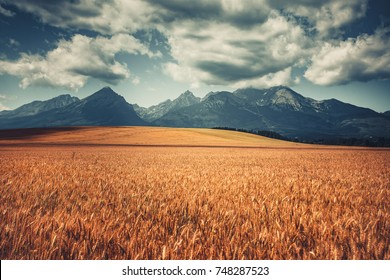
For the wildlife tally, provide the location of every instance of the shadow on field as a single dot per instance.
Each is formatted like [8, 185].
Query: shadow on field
[31, 133]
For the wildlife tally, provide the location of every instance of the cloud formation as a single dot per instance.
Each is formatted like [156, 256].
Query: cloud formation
[72, 62]
[362, 59]
[105, 17]
[215, 42]
[244, 13]
[327, 16]
[225, 54]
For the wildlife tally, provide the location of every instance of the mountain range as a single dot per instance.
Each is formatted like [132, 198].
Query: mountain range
[104, 107]
[277, 109]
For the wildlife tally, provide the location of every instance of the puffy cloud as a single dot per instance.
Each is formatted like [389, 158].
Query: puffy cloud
[224, 54]
[362, 59]
[282, 77]
[328, 16]
[186, 74]
[73, 62]
[221, 43]
[216, 42]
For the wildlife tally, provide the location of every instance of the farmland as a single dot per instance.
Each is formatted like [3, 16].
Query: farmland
[158, 193]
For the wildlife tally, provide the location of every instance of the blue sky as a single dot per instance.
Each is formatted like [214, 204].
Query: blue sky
[149, 50]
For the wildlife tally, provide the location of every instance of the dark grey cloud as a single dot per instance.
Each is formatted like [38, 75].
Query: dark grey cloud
[58, 12]
[105, 17]
[188, 10]
[226, 72]
[256, 62]
[283, 4]
[101, 74]
[241, 13]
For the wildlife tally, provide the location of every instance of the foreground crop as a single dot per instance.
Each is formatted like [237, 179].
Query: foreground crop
[193, 203]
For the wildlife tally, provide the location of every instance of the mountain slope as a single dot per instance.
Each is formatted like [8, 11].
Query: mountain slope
[220, 109]
[282, 110]
[157, 111]
[386, 114]
[37, 107]
[105, 107]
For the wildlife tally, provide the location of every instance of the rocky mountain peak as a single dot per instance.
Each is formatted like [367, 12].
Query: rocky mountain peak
[187, 98]
[105, 91]
[187, 93]
[105, 95]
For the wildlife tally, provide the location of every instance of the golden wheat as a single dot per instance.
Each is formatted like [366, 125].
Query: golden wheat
[193, 203]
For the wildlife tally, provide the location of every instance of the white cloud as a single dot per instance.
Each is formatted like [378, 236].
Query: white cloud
[282, 77]
[223, 54]
[186, 74]
[330, 18]
[362, 59]
[327, 16]
[6, 12]
[73, 62]
[214, 42]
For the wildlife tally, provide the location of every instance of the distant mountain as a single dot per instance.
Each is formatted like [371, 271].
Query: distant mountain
[282, 110]
[104, 107]
[277, 109]
[157, 111]
[37, 107]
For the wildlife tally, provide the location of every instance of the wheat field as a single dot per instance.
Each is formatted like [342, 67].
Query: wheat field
[275, 201]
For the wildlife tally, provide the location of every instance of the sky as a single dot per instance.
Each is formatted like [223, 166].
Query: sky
[152, 50]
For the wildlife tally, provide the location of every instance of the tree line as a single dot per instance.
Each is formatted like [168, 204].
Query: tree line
[340, 141]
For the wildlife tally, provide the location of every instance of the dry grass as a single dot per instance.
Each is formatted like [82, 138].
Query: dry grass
[193, 203]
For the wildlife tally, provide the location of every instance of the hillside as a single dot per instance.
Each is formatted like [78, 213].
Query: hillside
[134, 136]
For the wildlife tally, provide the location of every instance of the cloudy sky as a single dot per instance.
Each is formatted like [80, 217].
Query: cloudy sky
[152, 50]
